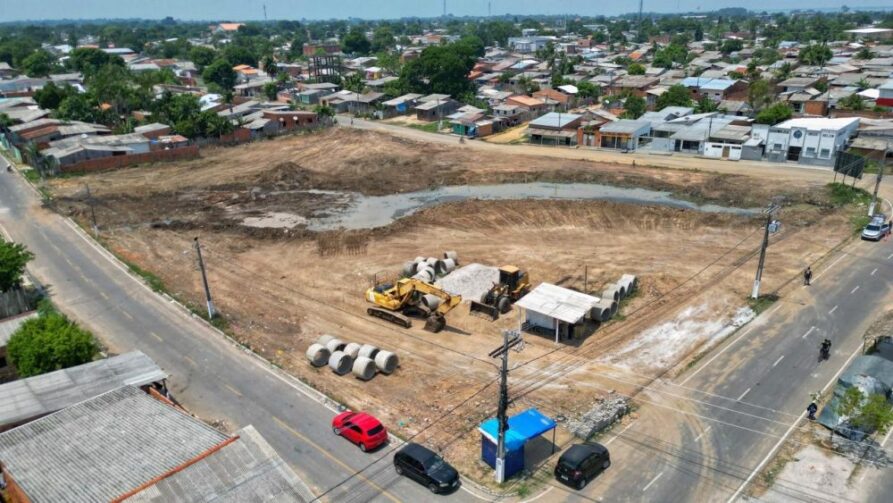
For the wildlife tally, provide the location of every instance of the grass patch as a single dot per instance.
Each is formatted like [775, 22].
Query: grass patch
[859, 222]
[154, 282]
[762, 303]
[842, 195]
[623, 303]
[429, 128]
[523, 490]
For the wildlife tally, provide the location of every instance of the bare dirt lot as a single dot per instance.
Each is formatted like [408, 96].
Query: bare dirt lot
[279, 288]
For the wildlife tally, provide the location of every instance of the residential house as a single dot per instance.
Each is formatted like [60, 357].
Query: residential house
[632, 84]
[715, 89]
[153, 131]
[533, 106]
[435, 107]
[529, 44]
[140, 447]
[379, 84]
[885, 94]
[796, 84]
[75, 149]
[510, 115]
[328, 47]
[292, 120]
[814, 141]
[348, 101]
[727, 142]
[554, 99]
[227, 28]
[554, 128]
[253, 87]
[31, 398]
[6, 71]
[401, 105]
[809, 101]
[623, 134]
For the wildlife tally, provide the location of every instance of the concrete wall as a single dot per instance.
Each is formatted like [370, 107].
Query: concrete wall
[120, 161]
[715, 150]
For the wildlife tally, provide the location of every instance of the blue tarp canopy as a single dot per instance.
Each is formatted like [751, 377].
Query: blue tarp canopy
[522, 427]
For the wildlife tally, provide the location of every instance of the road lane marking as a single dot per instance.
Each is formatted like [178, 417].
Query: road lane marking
[190, 360]
[153, 334]
[127, 315]
[232, 390]
[780, 358]
[103, 295]
[874, 271]
[630, 425]
[832, 310]
[652, 481]
[794, 424]
[703, 433]
[889, 256]
[808, 332]
[841, 257]
[705, 365]
[334, 459]
[743, 394]
[854, 290]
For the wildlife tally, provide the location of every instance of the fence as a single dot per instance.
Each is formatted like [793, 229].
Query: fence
[237, 138]
[120, 161]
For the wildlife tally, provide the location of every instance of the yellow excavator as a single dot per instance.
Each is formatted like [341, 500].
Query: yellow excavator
[411, 297]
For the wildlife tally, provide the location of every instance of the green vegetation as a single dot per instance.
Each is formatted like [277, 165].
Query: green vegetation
[13, 259]
[762, 303]
[430, 127]
[775, 113]
[842, 194]
[633, 107]
[676, 96]
[49, 342]
[442, 68]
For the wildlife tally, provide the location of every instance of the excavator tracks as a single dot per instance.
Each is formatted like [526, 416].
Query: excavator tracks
[389, 316]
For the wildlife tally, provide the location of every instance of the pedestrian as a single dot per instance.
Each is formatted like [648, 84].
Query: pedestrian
[807, 275]
[811, 410]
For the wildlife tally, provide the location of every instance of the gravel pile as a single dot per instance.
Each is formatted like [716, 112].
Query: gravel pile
[603, 414]
[470, 281]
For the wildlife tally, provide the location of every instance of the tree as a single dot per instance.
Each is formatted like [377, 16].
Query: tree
[876, 414]
[38, 64]
[759, 95]
[77, 107]
[220, 73]
[49, 342]
[633, 107]
[775, 113]
[353, 82]
[383, 39]
[851, 102]
[731, 45]
[848, 405]
[355, 42]
[587, 89]
[635, 69]
[13, 259]
[864, 53]
[705, 105]
[442, 68]
[202, 56]
[815, 54]
[50, 96]
[268, 64]
[88, 61]
[676, 96]
[270, 91]
[783, 72]
[671, 55]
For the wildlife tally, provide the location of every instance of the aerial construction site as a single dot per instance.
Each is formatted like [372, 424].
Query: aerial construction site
[306, 236]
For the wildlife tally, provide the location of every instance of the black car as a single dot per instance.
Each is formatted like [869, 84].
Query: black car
[426, 467]
[581, 463]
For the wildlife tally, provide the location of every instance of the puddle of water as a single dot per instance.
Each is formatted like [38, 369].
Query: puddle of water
[366, 212]
[275, 220]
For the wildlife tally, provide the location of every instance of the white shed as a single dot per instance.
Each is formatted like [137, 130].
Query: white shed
[555, 308]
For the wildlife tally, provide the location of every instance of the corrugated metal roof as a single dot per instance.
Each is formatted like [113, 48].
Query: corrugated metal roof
[102, 448]
[245, 470]
[47, 393]
[10, 325]
[625, 126]
[554, 120]
[557, 302]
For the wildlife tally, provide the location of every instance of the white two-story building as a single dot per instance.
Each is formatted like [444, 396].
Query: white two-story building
[814, 141]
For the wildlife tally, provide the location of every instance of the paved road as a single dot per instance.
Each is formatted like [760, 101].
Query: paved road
[209, 376]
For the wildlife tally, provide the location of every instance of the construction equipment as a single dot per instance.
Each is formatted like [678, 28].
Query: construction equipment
[411, 297]
[513, 284]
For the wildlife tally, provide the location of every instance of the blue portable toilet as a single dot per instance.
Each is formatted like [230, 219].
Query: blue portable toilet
[522, 427]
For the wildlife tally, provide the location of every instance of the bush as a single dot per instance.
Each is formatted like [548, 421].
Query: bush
[13, 259]
[49, 342]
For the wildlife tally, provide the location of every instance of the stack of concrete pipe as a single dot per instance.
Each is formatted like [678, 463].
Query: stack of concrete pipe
[428, 269]
[364, 360]
[629, 282]
[607, 307]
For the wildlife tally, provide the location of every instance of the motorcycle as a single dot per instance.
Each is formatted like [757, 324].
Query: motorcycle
[825, 352]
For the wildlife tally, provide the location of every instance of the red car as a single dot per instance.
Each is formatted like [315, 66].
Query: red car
[361, 429]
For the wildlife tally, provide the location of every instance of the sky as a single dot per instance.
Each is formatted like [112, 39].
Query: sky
[18, 10]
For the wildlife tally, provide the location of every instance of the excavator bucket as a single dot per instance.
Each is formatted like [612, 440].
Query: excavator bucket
[484, 310]
[435, 323]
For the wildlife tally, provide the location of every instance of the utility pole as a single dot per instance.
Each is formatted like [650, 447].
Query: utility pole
[201, 264]
[510, 339]
[93, 210]
[756, 282]
[877, 183]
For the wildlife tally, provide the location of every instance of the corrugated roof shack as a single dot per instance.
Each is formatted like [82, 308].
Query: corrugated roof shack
[125, 445]
[28, 399]
[557, 311]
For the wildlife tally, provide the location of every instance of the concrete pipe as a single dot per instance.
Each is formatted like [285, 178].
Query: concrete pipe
[352, 349]
[324, 339]
[340, 362]
[631, 281]
[600, 313]
[431, 301]
[418, 259]
[335, 345]
[426, 275]
[367, 351]
[409, 268]
[611, 292]
[622, 290]
[615, 306]
[449, 265]
[364, 368]
[431, 261]
[318, 355]
[451, 255]
[440, 268]
[386, 362]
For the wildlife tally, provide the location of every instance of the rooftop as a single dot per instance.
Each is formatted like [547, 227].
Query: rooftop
[35, 396]
[818, 123]
[554, 120]
[625, 126]
[557, 302]
[118, 441]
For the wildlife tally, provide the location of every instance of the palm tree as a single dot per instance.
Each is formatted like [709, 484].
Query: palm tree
[268, 64]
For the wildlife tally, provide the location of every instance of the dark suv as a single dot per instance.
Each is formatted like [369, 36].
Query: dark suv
[581, 463]
[426, 467]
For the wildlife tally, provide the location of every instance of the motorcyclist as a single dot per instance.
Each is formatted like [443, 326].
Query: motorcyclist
[826, 348]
